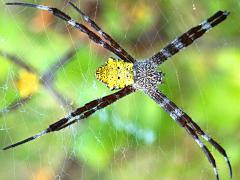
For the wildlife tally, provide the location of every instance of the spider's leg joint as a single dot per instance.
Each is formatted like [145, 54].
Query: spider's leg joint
[42, 7]
[216, 173]
[41, 134]
[72, 22]
[226, 13]
[178, 44]
[100, 32]
[166, 53]
[206, 25]
[206, 137]
[119, 50]
[164, 102]
[176, 114]
[101, 43]
[86, 18]
[220, 149]
[199, 143]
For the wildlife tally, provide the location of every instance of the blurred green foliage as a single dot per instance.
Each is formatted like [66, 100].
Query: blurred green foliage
[133, 138]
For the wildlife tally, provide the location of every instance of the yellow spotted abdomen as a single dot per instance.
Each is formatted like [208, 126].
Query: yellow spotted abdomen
[116, 73]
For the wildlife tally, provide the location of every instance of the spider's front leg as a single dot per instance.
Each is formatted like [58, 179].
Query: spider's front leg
[190, 126]
[188, 37]
[94, 37]
[106, 36]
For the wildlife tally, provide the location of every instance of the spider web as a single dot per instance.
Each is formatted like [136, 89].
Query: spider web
[133, 138]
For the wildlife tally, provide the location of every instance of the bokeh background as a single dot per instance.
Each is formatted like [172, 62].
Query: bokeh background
[133, 138]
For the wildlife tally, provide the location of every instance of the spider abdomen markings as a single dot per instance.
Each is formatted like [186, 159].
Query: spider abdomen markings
[115, 73]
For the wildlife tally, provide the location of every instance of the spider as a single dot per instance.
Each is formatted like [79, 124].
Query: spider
[129, 75]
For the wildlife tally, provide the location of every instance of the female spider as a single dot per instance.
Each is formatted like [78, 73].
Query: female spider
[129, 75]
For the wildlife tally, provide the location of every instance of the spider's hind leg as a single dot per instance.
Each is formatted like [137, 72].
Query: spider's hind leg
[203, 147]
[209, 139]
[190, 126]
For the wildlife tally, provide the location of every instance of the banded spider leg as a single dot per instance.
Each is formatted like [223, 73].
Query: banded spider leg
[80, 113]
[106, 36]
[191, 127]
[188, 37]
[94, 37]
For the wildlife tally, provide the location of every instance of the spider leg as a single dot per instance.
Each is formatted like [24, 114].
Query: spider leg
[189, 37]
[215, 144]
[106, 36]
[204, 148]
[186, 122]
[93, 106]
[80, 113]
[56, 12]
[20, 62]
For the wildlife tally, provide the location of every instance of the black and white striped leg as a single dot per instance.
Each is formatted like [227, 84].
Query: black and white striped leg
[204, 148]
[56, 12]
[189, 37]
[80, 113]
[215, 144]
[106, 36]
[186, 122]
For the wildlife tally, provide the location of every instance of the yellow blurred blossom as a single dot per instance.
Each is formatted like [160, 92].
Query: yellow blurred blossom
[27, 83]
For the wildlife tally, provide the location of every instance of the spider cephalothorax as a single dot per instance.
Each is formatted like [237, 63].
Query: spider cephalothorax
[130, 75]
[146, 75]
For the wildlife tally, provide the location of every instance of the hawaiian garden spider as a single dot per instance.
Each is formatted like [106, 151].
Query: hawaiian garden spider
[130, 75]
